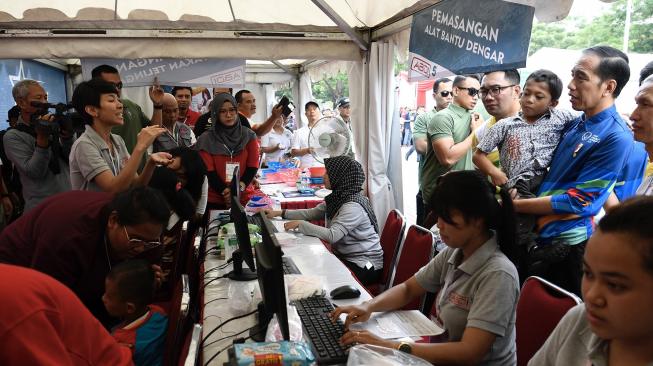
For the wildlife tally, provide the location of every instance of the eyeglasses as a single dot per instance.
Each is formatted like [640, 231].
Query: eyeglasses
[493, 91]
[118, 85]
[471, 91]
[146, 244]
[445, 93]
[227, 111]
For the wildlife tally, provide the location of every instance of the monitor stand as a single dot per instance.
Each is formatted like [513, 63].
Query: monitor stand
[257, 332]
[239, 273]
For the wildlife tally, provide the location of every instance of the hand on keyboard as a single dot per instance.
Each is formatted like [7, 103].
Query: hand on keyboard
[355, 314]
[292, 225]
[365, 337]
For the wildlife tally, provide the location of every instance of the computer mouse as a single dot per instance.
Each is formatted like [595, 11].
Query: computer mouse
[345, 292]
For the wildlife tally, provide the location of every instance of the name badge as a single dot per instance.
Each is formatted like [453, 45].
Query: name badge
[230, 171]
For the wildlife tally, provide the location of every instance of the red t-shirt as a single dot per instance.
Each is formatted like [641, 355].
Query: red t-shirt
[247, 158]
[191, 117]
[43, 323]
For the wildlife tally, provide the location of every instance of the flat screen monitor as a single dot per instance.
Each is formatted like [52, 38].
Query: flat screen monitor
[269, 266]
[244, 251]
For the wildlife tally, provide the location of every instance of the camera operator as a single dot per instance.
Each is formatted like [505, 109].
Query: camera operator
[39, 146]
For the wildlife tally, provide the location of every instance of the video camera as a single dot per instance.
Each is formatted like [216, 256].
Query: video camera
[287, 105]
[63, 117]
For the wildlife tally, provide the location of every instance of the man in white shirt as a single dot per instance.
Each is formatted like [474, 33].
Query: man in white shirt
[300, 147]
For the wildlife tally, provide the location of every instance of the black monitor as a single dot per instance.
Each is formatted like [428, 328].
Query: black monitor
[269, 266]
[244, 251]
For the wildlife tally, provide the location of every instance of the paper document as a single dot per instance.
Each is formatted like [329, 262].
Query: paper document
[398, 324]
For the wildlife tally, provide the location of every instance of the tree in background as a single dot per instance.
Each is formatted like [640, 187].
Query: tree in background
[330, 88]
[607, 29]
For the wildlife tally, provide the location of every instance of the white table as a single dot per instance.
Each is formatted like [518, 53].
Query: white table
[274, 191]
[311, 257]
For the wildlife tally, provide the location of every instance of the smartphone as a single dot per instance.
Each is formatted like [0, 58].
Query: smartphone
[287, 106]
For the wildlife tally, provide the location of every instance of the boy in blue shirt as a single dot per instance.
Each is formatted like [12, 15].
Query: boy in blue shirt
[129, 289]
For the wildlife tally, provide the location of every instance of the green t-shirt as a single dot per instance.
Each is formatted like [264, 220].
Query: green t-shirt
[453, 121]
[134, 121]
[419, 132]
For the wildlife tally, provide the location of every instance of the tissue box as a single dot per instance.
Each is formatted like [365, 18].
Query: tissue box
[273, 353]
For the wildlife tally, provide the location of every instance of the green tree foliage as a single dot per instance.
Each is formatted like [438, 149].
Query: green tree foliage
[330, 88]
[607, 29]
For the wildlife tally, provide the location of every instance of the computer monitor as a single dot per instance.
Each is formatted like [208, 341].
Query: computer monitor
[244, 251]
[269, 266]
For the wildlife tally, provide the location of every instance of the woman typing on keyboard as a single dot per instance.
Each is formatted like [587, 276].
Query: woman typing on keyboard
[351, 228]
[476, 282]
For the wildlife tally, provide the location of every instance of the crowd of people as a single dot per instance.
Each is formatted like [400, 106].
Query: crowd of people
[96, 208]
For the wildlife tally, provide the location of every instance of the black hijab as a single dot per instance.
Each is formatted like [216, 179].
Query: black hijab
[221, 139]
[346, 177]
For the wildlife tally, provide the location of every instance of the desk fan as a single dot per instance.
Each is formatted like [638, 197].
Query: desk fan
[329, 137]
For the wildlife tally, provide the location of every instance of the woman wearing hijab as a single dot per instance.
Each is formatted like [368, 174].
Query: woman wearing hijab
[223, 148]
[353, 233]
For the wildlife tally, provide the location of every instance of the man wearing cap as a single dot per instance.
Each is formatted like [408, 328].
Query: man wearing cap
[300, 141]
[344, 109]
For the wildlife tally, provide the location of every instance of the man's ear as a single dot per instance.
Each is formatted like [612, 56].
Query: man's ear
[610, 87]
[91, 110]
[517, 90]
[113, 220]
[554, 103]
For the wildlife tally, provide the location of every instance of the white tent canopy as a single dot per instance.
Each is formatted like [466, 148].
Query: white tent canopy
[364, 32]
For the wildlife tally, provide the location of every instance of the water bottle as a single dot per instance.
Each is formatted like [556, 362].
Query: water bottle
[305, 180]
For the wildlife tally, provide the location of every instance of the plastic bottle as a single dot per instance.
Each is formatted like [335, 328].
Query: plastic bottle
[305, 180]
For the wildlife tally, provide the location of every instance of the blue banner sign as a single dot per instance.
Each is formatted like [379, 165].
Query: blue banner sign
[224, 73]
[456, 37]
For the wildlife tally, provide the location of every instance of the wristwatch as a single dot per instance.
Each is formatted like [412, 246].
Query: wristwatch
[405, 347]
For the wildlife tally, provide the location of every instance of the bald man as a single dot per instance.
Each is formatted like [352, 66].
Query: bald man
[177, 133]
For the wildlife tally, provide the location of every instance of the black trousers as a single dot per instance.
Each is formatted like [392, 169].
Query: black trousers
[419, 207]
[561, 264]
[364, 275]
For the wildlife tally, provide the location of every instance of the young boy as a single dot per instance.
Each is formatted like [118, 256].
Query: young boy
[526, 142]
[129, 288]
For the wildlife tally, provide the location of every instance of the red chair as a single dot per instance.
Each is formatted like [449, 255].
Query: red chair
[414, 253]
[391, 236]
[178, 322]
[540, 307]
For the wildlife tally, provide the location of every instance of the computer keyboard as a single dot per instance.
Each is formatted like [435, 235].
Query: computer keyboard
[257, 220]
[323, 334]
[289, 266]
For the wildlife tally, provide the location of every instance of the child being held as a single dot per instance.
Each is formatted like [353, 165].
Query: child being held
[129, 290]
[526, 142]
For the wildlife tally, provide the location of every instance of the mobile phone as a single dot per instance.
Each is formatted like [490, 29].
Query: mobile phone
[287, 106]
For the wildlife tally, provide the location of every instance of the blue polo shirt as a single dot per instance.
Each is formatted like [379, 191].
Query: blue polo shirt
[583, 172]
[633, 172]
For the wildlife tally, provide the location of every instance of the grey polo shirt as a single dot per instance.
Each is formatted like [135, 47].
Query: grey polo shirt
[350, 232]
[572, 343]
[481, 293]
[90, 156]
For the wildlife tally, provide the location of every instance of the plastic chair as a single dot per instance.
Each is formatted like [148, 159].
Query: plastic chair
[414, 253]
[393, 232]
[178, 322]
[540, 307]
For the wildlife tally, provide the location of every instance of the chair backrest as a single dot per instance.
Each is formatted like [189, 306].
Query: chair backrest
[414, 253]
[391, 236]
[177, 321]
[191, 351]
[540, 307]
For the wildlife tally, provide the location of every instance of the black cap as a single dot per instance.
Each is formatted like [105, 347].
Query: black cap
[342, 102]
[313, 104]
[14, 112]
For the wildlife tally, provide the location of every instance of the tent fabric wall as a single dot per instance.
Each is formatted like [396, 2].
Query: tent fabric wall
[377, 138]
[305, 96]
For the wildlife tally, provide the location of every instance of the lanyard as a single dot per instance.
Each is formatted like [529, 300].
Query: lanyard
[173, 135]
[115, 162]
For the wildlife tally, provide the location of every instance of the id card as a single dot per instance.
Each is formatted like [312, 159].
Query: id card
[231, 167]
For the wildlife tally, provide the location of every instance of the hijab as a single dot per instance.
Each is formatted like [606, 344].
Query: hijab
[346, 177]
[222, 139]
